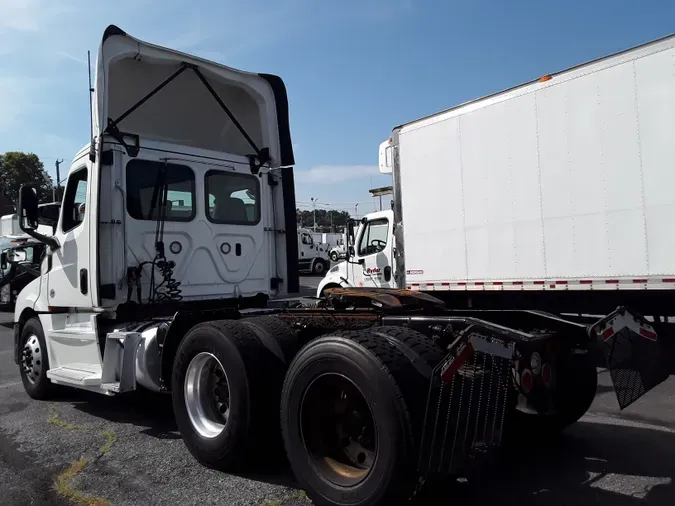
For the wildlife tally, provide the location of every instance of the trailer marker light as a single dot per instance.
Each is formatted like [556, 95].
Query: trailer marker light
[608, 333]
[545, 78]
[648, 334]
[546, 374]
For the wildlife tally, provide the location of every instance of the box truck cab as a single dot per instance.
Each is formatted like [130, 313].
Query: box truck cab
[312, 255]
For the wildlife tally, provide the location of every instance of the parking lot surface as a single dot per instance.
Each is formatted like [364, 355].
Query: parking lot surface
[85, 448]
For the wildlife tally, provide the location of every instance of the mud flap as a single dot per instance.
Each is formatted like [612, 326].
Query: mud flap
[466, 405]
[636, 357]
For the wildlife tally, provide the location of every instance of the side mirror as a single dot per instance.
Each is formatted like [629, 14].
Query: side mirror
[29, 216]
[49, 214]
[28, 209]
[3, 261]
[350, 232]
[16, 256]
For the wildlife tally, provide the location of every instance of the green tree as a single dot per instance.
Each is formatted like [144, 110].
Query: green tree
[17, 168]
[327, 220]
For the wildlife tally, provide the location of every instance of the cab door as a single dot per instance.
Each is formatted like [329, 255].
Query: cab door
[69, 276]
[374, 251]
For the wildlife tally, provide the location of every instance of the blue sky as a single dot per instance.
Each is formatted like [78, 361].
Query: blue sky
[353, 69]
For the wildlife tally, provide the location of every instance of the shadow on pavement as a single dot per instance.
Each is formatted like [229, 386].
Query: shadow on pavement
[591, 464]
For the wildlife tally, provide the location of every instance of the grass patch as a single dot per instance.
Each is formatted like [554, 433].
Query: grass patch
[55, 420]
[110, 438]
[301, 495]
[63, 484]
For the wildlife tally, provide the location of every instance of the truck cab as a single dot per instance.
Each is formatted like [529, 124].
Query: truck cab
[172, 205]
[370, 246]
[312, 255]
[369, 261]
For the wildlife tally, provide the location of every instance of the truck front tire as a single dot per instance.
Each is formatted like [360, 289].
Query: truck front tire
[34, 362]
[222, 390]
[347, 420]
[319, 267]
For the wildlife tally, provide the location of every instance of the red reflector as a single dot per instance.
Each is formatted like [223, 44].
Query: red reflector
[526, 380]
[648, 334]
[546, 374]
[608, 333]
[454, 366]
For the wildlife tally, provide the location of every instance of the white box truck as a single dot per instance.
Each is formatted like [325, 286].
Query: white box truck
[312, 253]
[175, 229]
[556, 194]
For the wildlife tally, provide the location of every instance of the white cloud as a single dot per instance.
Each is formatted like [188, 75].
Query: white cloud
[328, 174]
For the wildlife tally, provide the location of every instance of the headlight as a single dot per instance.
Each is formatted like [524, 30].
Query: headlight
[4, 293]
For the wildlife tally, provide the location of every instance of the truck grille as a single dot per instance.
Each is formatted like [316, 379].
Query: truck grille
[466, 405]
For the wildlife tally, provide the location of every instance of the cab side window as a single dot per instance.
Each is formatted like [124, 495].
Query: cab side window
[374, 237]
[74, 200]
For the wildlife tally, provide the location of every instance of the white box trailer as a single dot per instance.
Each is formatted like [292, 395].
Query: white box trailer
[564, 184]
[561, 186]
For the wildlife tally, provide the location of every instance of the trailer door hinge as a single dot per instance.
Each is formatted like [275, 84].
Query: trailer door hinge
[112, 222]
[275, 282]
[277, 230]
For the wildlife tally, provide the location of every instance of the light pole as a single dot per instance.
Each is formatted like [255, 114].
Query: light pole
[314, 201]
[356, 211]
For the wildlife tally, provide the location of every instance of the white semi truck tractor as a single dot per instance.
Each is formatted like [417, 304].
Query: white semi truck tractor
[177, 226]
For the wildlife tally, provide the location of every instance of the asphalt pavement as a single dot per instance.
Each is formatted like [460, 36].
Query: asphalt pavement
[85, 448]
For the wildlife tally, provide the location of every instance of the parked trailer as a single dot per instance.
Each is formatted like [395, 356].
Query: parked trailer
[379, 389]
[552, 195]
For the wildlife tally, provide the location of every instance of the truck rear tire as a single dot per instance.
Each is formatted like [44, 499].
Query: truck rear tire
[34, 362]
[347, 414]
[275, 335]
[223, 388]
[334, 256]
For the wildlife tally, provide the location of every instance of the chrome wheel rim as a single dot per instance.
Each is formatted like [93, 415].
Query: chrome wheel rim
[31, 359]
[207, 395]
